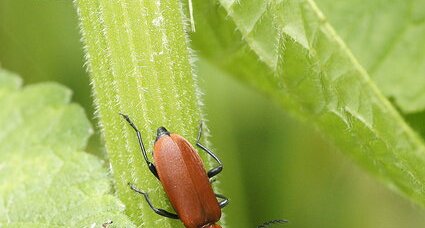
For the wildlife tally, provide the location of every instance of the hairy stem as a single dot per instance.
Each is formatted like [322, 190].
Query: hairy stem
[140, 65]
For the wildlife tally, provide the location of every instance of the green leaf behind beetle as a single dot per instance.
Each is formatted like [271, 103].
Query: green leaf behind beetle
[289, 51]
[388, 40]
[46, 180]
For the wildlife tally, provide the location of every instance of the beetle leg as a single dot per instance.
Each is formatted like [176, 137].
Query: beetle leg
[159, 211]
[219, 168]
[224, 202]
[151, 166]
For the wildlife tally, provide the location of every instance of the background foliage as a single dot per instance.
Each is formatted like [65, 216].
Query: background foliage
[274, 167]
[46, 180]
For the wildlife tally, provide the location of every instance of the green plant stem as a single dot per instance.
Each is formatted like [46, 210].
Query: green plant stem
[140, 65]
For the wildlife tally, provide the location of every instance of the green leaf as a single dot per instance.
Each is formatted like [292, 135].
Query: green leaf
[387, 38]
[46, 180]
[140, 65]
[288, 50]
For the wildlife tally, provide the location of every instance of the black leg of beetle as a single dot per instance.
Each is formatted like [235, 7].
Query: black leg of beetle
[217, 169]
[156, 210]
[269, 223]
[106, 224]
[224, 201]
[151, 166]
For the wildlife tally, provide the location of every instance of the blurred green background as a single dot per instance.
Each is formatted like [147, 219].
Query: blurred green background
[275, 167]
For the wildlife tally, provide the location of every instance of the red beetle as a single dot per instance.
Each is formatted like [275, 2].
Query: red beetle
[184, 179]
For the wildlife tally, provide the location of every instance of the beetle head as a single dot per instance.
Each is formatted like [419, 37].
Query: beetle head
[160, 132]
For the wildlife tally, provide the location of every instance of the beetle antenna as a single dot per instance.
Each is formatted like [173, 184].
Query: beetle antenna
[272, 222]
[199, 132]
[125, 117]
